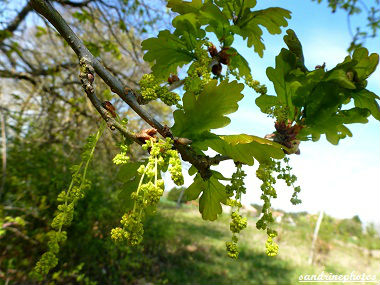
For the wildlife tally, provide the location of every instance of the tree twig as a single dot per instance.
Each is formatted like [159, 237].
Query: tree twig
[126, 94]
[43, 7]
[87, 78]
[13, 25]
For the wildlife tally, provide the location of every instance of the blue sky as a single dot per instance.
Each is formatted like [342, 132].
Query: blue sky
[342, 180]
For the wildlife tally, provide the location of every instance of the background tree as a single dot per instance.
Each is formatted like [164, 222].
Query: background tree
[47, 118]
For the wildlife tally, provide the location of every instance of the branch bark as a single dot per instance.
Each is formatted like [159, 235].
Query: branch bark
[87, 78]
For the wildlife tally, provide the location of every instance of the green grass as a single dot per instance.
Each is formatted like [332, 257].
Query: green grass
[194, 252]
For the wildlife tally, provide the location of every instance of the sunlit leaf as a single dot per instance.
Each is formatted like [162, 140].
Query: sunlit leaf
[207, 110]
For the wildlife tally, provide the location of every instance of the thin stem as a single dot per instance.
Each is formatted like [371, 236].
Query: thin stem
[69, 190]
[155, 171]
[98, 135]
[138, 188]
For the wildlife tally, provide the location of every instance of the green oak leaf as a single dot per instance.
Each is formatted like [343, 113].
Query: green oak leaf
[232, 8]
[192, 192]
[286, 62]
[128, 171]
[249, 25]
[266, 102]
[339, 76]
[324, 101]
[366, 64]
[192, 170]
[336, 133]
[188, 23]
[166, 52]
[333, 126]
[207, 110]
[130, 179]
[213, 195]
[326, 92]
[124, 196]
[215, 20]
[317, 97]
[243, 148]
[184, 7]
[239, 62]
[308, 83]
[193, 15]
[219, 175]
[294, 45]
[367, 99]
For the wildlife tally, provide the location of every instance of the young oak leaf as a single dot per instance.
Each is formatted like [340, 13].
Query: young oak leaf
[365, 63]
[239, 62]
[232, 8]
[184, 7]
[130, 179]
[213, 195]
[323, 93]
[207, 110]
[248, 26]
[166, 52]
[294, 45]
[334, 125]
[285, 63]
[244, 148]
[195, 14]
[367, 99]
[215, 20]
[289, 60]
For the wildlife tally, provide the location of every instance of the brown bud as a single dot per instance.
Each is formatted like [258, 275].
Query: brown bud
[224, 56]
[216, 69]
[109, 107]
[90, 77]
[212, 51]
[173, 78]
[183, 141]
[350, 75]
[323, 66]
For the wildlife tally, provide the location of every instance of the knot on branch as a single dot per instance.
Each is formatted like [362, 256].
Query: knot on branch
[87, 75]
[166, 132]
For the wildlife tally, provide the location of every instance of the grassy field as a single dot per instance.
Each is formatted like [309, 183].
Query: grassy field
[196, 252]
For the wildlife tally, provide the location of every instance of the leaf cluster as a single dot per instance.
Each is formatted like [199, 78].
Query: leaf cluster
[321, 100]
